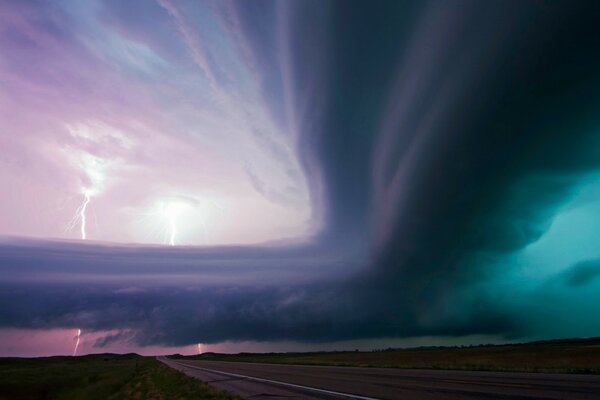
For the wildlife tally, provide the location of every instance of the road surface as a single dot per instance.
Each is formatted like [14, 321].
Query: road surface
[274, 381]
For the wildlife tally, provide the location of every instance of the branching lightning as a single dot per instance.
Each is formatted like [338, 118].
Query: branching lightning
[93, 184]
[80, 217]
[77, 342]
[93, 170]
[82, 209]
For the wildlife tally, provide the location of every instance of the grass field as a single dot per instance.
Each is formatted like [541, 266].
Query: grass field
[98, 377]
[559, 356]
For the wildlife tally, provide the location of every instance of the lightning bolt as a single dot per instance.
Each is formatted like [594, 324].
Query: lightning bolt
[169, 219]
[80, 216]
[82, 209]
[199, 348]
[77, 343]
[173, 231]
[171, 211]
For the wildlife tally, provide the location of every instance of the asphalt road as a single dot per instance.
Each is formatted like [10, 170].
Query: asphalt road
[253, 380]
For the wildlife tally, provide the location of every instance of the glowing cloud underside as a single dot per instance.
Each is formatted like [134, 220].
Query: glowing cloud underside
[180, 219]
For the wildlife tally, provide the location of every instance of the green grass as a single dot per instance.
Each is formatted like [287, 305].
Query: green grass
[561, 356]
[103, 377]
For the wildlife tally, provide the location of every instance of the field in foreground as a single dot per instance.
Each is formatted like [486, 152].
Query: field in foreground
[103, 377]
[580, 356]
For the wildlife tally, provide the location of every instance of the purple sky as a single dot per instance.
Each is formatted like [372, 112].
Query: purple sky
[157, 119]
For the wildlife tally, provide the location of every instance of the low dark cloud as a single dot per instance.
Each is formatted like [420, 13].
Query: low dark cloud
[184, 315]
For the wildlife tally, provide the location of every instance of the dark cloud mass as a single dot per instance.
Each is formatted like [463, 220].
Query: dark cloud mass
[583, 273]
[440, 140]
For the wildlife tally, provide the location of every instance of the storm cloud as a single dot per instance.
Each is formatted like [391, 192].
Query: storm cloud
[443, 146]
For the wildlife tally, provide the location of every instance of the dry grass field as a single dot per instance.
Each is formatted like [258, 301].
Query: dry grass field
[560, 356]
[101, 377]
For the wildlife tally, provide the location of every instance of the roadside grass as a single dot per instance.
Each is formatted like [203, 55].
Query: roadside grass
[573, 357]
[99, 377]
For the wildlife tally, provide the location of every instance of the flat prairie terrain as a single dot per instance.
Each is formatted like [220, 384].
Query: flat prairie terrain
[558, 356]
[101, 377]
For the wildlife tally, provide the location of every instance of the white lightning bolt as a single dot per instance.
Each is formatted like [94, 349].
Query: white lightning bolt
[171, 211]
[173, 219]
[199, 348]
[77, 343]
[93, 182]
[82, 216]
[173, 228]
